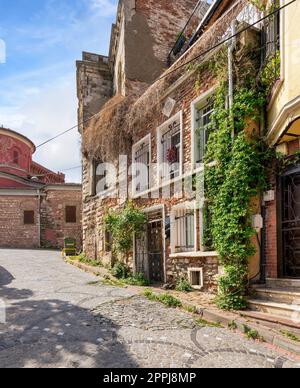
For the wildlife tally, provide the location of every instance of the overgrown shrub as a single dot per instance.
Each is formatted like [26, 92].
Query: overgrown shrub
[120, 271]
[166, 299]
[183, 285]
[123, 225]
[137, 280]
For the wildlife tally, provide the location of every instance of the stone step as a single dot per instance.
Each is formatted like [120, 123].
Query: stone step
[272, 321]
[283, 283]
[288, 296]
[283, 310]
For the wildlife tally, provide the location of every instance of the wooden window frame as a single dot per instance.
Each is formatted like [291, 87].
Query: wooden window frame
[67, 219]
[29, 217]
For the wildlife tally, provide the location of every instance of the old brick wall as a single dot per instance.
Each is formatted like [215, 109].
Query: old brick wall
[54, 227]
[13, 232]
[10, 144]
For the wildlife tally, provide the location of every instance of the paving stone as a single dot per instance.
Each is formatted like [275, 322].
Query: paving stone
[107, 326]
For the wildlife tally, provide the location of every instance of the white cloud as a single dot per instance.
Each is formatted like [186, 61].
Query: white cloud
[48, 111]
[105, 7]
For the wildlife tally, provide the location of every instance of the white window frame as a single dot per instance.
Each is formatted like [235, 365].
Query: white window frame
[200, 269]
[160, 133]
[201, 100]
[175, 209]
[146, 139]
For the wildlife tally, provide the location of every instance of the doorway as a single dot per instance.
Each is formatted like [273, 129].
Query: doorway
[149, 252]
[290, 224]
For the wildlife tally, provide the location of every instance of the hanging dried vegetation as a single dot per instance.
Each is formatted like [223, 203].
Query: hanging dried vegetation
[123, 120]
[107, 135]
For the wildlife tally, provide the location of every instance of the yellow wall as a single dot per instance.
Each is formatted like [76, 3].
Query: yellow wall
[280, 114]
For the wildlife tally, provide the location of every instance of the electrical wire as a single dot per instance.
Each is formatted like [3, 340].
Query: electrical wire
[203, 53]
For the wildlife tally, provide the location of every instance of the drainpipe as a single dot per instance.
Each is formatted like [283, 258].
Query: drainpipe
[39, 217]
[231, 47]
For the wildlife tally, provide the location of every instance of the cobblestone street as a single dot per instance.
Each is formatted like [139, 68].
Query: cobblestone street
[59, 316]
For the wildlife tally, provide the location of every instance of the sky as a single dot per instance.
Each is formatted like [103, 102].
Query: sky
[43, 39]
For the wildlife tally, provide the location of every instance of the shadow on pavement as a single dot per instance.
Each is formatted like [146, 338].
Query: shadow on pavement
[8, 292]
[55, 333]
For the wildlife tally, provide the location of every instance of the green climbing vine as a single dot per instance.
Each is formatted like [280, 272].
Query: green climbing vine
[235, 169]
[236, 176]
[123, 225]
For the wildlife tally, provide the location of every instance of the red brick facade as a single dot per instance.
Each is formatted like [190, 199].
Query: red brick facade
[33, 199]
[13, 232]
[54, 224]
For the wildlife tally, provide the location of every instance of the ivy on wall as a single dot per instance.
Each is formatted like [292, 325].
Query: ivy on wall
[123, 225]
[238, 173]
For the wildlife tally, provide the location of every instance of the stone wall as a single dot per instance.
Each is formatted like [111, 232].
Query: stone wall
[178, 268]
[13, 232]
[54, 227]
[94, 85]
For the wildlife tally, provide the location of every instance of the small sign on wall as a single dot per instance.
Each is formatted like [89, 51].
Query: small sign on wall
[269, 196]
[169, 107]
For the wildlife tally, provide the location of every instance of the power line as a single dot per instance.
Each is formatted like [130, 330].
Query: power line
[205, 52]
[66, 131]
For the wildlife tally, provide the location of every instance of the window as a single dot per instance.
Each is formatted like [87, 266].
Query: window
[16, 157]
[29, 217]
[141, 159]
[203, 128]
[184, 231]
[71, 216]
[170, 148]
[196, 278]
[271, 35]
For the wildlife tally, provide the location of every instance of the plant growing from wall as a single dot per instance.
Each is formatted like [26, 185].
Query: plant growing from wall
[236, 176]
[271, 72]
[123, 225]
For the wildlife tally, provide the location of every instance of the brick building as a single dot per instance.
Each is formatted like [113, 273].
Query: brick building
[166, 113]
[37, 208]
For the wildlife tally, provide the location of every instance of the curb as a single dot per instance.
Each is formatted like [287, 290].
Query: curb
[270, 336]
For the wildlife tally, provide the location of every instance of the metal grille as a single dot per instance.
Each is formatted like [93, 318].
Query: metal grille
[171, 139]
[203, 131]
[271, 46]
[185, 231]
[142, 156]
[291, 225]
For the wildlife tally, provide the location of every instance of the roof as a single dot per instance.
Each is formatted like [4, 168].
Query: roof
[18, 135]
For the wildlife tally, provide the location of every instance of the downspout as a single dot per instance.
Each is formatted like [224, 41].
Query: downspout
[231, 47]
[39, 218]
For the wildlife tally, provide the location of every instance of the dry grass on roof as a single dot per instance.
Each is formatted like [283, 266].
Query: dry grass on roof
[123, 119]
[150, 103]
[107, 135]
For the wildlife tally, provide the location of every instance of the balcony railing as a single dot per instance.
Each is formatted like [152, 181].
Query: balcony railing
[186, 37]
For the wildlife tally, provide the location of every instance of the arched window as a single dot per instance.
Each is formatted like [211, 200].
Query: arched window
[16, 157]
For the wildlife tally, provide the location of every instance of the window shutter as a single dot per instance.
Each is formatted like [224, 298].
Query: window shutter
[28, 217]
[71, 214]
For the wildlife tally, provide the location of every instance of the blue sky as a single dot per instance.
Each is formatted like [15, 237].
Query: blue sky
[43, 40]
